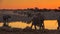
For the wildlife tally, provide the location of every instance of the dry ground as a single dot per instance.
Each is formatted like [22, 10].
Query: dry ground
[7, 30]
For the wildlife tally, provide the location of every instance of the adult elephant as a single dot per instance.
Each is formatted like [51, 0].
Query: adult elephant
[37, 20]
[6, 19]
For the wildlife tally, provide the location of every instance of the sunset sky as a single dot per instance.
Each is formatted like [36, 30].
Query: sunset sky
[16, 4]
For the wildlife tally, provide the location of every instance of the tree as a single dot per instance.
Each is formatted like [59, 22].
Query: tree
[36, 9]
[59, 8]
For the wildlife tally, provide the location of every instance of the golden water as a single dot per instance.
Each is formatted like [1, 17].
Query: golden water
[48, 24]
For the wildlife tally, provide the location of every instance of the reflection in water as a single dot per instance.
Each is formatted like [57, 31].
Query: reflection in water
[48, 24]
[51, 24]
[19, 24]
[1, 24]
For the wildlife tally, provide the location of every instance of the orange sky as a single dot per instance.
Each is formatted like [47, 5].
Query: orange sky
[14, 4]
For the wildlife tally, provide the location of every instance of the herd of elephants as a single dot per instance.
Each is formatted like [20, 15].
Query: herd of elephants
[37, 20]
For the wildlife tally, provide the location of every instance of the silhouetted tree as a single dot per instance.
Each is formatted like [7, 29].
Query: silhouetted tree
[49, 9]
[59, 8]
[45, 10]
[36, 9]
[30, 9]
[54, 10]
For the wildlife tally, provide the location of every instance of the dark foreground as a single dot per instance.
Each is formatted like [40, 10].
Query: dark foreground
[7, 30]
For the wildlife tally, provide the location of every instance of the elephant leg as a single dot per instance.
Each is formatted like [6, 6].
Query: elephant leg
[35, 27]
[43, 26]
[58, 27]
[5, 23]
[31, 25]
[39, 27]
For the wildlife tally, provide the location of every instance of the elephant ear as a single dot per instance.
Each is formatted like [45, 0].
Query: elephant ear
[29, 21]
